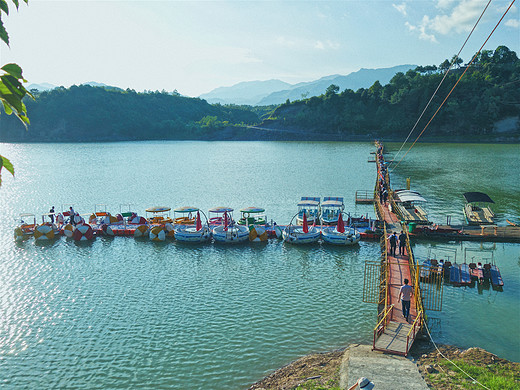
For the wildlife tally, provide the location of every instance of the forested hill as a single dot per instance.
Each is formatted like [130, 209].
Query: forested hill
[86, 113]
[485, 105]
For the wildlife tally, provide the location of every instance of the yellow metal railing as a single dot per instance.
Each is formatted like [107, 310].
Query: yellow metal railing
[414, 272]
[416, 326]
[385, 269]
[381, 325]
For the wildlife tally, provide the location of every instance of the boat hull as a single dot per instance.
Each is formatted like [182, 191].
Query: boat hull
[191, 234]
[295, 235]
[332, 236]
[233, 235]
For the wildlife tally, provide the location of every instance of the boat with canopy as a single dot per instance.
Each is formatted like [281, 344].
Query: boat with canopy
[252, 216]
[160, 223]
[197, 233]
[25, 228]
[331, 209]
[477, 210]
[408, 208]
[310, 207]
[184, 215]
[226, 230]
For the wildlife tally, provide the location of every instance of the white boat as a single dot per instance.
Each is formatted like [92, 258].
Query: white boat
[310, 207]
[331, 208]
[301, 234]
[197, 233]
[339, 234]
[226, 230]
[331, 235]
[295, 235]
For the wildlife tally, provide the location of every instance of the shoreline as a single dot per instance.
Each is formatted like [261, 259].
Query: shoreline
[321, 370]
[514, 140]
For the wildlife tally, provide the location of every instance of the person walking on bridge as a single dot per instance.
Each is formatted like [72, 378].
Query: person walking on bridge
[393, 243]
[402, 243]
[406, 293]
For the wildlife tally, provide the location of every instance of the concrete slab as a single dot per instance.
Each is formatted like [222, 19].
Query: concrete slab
[387, 372]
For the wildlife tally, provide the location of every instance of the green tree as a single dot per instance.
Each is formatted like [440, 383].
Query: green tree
[332, 90]
[12, 91]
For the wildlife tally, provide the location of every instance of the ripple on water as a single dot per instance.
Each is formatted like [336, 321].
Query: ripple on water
[125, 313]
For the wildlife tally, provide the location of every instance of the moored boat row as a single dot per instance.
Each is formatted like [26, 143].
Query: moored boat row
[190, 224]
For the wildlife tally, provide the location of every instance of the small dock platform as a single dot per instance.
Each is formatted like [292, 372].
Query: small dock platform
[365, 196]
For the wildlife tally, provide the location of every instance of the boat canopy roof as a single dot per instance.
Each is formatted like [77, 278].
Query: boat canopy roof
[410, 196]
[333, 203]
[405, 190]
[314, 198]
[312, 203]
[337, 198]
[159, 209]
[253, 210]
[186, 209]
[221, 210]
[477, 197]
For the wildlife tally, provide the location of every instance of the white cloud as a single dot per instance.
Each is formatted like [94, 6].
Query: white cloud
[401, 8]
[421, 29]
[513, 23]
[456, 17]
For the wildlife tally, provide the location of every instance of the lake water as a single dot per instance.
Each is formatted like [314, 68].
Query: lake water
[122, 313]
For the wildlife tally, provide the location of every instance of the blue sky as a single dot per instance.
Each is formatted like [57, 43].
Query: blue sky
[196, 46]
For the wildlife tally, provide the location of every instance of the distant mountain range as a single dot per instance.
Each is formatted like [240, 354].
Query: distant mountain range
[41, 87]
[264, 93]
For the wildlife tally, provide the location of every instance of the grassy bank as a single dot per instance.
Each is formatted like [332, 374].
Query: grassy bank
[320, 371]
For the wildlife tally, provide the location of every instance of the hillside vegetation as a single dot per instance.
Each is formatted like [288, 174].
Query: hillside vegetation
[488, 94]
[86, 114]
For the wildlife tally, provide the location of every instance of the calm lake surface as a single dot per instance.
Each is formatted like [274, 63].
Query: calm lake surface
[122, 313]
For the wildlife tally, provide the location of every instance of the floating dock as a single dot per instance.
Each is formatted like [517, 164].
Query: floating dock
[484, 233]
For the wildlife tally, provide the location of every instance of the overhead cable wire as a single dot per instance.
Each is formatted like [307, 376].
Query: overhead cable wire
[462, 75]
[438, 86]
[445, 357]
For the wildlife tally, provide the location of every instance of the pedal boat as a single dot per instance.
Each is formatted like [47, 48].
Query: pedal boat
[47, 230]
[310, 207]
[226, 231]
[331, 208]
[339, 234]
[160, 223]
[197, 233]
[295, 234]
[24, 230]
